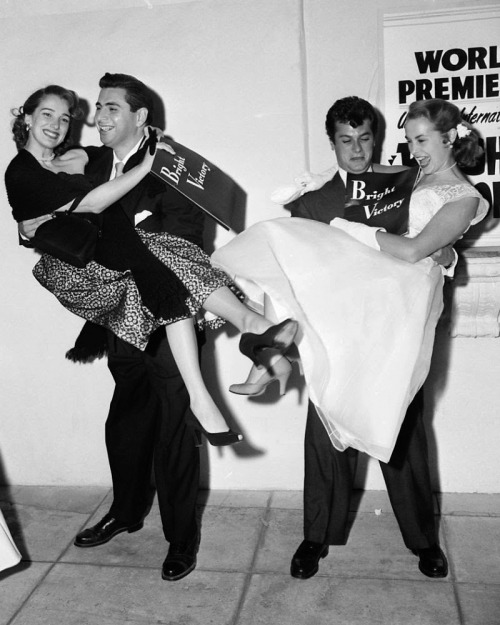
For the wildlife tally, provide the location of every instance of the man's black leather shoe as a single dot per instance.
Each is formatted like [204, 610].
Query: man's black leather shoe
[432, 561]
[103, 531]
[305, 561]
[180, 560]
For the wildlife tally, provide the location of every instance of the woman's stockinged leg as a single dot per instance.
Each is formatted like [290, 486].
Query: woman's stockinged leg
[224, 303]
[258, 333]
[182, 340]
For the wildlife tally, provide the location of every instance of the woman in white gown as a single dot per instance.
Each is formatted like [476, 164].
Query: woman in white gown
[367, 319]
[9, 555]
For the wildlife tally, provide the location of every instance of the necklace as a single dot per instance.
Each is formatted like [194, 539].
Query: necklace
[46, 160]
[440, 171]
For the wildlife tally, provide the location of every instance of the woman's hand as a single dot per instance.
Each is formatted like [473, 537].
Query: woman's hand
[148, 130]
[27, 228]
[153, 144]
[445, 256]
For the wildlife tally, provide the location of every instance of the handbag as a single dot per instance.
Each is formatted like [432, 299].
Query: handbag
[70, 238]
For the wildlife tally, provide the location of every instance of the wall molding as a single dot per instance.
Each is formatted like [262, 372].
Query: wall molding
[472, 298]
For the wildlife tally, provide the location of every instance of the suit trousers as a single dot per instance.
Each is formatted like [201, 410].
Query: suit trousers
[146, 428]
[329, 480]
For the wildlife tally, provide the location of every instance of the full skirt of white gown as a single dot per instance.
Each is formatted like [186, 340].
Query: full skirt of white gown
[366, 321]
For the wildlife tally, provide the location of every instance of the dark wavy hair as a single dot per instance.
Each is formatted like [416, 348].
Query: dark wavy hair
[353, 111]
[137, 94]
[19, 127]
[445, 116]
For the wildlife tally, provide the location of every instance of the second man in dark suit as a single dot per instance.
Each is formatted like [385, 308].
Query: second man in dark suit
[146, 425]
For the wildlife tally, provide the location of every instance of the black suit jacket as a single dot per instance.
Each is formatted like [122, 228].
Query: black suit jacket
[171, 211]
[329, 202]
[321, 205]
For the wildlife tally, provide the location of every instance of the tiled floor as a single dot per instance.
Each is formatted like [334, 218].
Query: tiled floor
[242, 577]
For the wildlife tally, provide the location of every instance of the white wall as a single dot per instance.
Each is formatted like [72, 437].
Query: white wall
[247, 83]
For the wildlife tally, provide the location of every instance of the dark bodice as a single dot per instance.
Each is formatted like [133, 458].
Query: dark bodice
[33, 190]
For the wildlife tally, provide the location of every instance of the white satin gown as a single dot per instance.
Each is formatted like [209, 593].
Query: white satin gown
[366, 319]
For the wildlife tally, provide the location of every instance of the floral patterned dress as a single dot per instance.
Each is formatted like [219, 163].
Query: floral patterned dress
[138, 280]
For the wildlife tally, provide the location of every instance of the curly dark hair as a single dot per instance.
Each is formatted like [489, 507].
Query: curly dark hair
[19, 128]
[137, 94]
[445, 116]
[353, 111]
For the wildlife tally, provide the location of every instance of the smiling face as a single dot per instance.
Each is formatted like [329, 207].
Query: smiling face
[429, 147]
[354, 146]
[119, 127]
[49, 125]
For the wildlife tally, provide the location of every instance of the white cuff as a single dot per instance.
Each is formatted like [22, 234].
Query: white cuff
[449, 271]
[302, 184]
[363, 233]
[138, 217]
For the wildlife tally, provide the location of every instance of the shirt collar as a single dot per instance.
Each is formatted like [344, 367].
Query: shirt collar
[127, 156]
[343, 173]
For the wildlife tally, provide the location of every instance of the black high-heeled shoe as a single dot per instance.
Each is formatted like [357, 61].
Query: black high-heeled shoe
[217, 439]
[279, 337]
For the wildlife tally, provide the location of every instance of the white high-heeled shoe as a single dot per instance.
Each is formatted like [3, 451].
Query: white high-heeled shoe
[261, 377]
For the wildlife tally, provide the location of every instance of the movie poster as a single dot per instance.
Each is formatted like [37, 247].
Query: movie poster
[453, 54]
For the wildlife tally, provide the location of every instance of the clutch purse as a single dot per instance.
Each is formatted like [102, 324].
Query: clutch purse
[68, 237]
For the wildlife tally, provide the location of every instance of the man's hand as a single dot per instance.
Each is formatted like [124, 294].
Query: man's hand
[445, 256]
[27, 228]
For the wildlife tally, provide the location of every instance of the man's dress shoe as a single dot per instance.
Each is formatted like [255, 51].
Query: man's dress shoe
[432, 561]
[305, 561]
[180, 560]
[103, 531]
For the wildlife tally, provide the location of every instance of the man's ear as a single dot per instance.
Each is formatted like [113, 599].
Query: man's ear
[332, 145]
[142, 115]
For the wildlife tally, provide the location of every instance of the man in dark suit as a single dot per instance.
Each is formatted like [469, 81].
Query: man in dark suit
[351, 126]
[146, 422]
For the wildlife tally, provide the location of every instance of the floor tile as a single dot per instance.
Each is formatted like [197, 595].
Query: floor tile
[463, 504]
[375, 548]
[322, 601]
[145, 548]
[474, 548]
[42, 534]
[229, 538]
[228, 541]
[16, 584]
[283, 534]
[83, 499]
[362, 501]
[480, 603]
[291, 500]
[371, 501]
[124, 596]
[235, 498]
[242, 575]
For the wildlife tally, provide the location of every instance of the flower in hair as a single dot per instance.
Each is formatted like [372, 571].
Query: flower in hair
[462, 131]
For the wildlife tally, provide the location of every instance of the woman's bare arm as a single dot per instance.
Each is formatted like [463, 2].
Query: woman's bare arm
[446, 227]
[101, 197]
